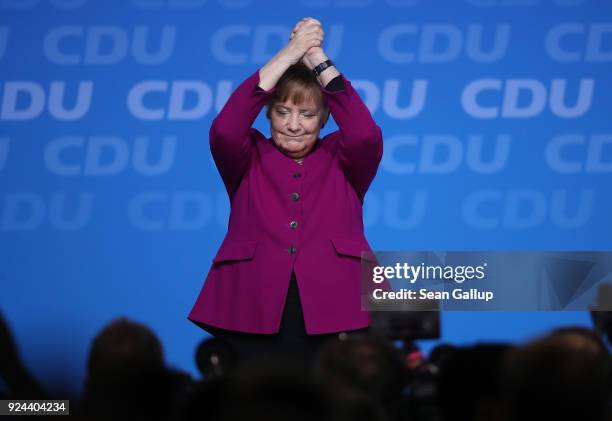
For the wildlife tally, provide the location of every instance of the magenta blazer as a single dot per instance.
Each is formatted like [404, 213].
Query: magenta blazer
[287, 216]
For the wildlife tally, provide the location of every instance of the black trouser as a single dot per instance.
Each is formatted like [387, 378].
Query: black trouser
[291, 339]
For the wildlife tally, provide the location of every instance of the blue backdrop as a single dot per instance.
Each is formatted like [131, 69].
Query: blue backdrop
[495, 115]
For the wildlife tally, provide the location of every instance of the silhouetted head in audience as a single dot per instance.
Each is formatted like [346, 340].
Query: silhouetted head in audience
[366, 375]
[580, 339]
[564, 376]
[126, 375]
[124, 345]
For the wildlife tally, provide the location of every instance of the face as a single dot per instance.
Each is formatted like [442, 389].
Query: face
[295, 127]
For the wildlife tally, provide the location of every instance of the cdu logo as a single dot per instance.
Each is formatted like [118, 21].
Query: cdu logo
[527, 208]
[174, 99]
[433, 43]
[27, 211]
[443, 154]
[26, 100]
[108, 156]
[177, 211]
[104, 45]
[180, 100]
[508, 95]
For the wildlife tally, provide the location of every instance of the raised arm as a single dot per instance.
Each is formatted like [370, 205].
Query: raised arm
[231, 136]
[360, 145]
[360, 141]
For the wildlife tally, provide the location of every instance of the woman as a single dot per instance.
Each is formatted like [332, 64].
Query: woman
[287, 274]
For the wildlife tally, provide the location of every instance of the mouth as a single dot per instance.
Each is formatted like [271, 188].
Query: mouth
[295, 139]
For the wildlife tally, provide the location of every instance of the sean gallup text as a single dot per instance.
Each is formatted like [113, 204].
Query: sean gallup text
[425, 294]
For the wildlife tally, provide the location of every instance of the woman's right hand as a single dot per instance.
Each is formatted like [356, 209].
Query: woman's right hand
[306, 34]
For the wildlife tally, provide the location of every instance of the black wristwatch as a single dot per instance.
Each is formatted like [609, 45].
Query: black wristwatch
[321, 67]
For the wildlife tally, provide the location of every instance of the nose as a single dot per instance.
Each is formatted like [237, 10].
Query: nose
[293, 123]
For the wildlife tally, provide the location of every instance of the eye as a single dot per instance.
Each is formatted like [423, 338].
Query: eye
[282, 112]
[309, 115]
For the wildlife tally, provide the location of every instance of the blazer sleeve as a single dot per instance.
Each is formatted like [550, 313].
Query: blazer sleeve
[360, 141]
[231, 135]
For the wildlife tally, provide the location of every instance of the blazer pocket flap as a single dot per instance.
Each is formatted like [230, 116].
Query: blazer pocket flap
[244, 250]
[350, 247]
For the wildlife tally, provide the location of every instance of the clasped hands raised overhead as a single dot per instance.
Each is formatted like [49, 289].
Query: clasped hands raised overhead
[306, 43]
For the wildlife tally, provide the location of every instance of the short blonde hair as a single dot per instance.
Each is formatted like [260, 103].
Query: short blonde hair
[300, 85]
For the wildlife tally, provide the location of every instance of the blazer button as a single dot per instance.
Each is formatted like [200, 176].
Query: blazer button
[295, 197]
[297, 175]
[293, 224]
[292, 250]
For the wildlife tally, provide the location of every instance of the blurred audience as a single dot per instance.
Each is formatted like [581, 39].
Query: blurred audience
[564, 375]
